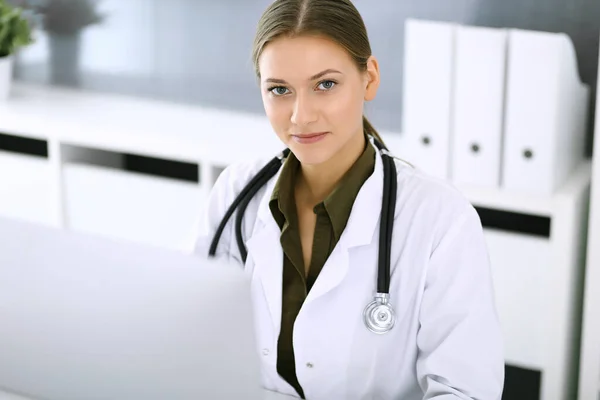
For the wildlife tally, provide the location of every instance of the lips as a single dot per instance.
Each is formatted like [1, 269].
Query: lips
[309, 135]
[309, 138]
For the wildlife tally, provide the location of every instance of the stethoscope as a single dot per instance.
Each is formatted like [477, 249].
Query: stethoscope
[379, 316]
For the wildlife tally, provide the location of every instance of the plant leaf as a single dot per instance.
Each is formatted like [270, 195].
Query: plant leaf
[15, 31]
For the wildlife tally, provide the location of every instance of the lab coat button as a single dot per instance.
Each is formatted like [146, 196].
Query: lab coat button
[265, 352]
[309, 365]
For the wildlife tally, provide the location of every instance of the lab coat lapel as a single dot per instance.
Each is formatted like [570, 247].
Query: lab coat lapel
[265, 250]
[360, 231]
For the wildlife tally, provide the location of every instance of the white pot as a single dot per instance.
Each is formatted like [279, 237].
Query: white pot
[6, 65]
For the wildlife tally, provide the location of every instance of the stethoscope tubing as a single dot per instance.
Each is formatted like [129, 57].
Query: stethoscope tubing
[386, 223]
[266, 173]
[380, 305]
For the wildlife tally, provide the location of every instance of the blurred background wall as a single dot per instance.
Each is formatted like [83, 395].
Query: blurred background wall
[198, 51]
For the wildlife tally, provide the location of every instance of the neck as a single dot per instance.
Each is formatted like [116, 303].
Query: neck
[316, 182]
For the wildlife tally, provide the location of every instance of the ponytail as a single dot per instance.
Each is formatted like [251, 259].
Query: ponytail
[370, 130]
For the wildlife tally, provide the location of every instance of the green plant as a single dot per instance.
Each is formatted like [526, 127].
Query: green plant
[68, 17]
[15, 31]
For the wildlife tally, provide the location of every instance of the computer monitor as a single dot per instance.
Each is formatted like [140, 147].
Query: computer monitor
[84, 317]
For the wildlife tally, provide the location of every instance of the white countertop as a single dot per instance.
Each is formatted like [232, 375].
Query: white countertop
[136, 125]
[268, 395]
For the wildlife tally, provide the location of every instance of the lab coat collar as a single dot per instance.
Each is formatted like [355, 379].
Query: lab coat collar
[364, 217]
[265, 249]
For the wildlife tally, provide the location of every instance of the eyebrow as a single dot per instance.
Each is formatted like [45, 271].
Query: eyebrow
[312, 78]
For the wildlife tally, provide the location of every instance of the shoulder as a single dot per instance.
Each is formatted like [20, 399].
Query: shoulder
[232, 180]
[235, 176]
[228, 185]
[428, 191]
[434, 206]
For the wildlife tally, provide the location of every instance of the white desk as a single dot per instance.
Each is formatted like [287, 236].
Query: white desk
[268, 396]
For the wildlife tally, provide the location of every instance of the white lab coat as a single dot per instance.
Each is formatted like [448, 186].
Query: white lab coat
[447, 341]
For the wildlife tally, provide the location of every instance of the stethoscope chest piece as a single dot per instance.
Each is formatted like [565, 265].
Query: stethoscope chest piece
[379, 315]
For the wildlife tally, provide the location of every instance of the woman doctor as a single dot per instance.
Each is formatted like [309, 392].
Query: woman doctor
[312, 234]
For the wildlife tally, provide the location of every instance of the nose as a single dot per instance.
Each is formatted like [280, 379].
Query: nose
[305, 110]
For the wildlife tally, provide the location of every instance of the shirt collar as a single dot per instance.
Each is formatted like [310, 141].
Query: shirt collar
[338, 204]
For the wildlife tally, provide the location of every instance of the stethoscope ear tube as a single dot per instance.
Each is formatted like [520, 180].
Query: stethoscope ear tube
[382, 281]
[268, 168]
[393, 189]
[244, 205]
[379, 315]
[386, 224]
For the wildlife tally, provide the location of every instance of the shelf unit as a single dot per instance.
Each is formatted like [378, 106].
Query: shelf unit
[85, 183]
[82, 182]
[538, 271]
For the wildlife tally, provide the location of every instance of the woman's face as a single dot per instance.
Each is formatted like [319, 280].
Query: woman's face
[314, 95]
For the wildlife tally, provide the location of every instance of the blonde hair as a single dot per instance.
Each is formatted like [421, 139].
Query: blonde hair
[337, 20]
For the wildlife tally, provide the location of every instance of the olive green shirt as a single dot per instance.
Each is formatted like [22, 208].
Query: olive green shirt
[332, 216]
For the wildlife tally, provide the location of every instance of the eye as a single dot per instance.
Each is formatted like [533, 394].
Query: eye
[327, 85]
[278, 90]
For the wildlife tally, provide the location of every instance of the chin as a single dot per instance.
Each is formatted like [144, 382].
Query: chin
[309, 155]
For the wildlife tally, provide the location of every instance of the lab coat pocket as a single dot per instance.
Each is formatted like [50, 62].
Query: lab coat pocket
[362, 365]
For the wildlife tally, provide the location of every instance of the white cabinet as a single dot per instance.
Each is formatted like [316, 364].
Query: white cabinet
[537, 252]
[131, 206]
[519, 263]
[28, 188]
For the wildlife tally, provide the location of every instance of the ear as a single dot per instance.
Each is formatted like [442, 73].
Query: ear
[372, 78]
